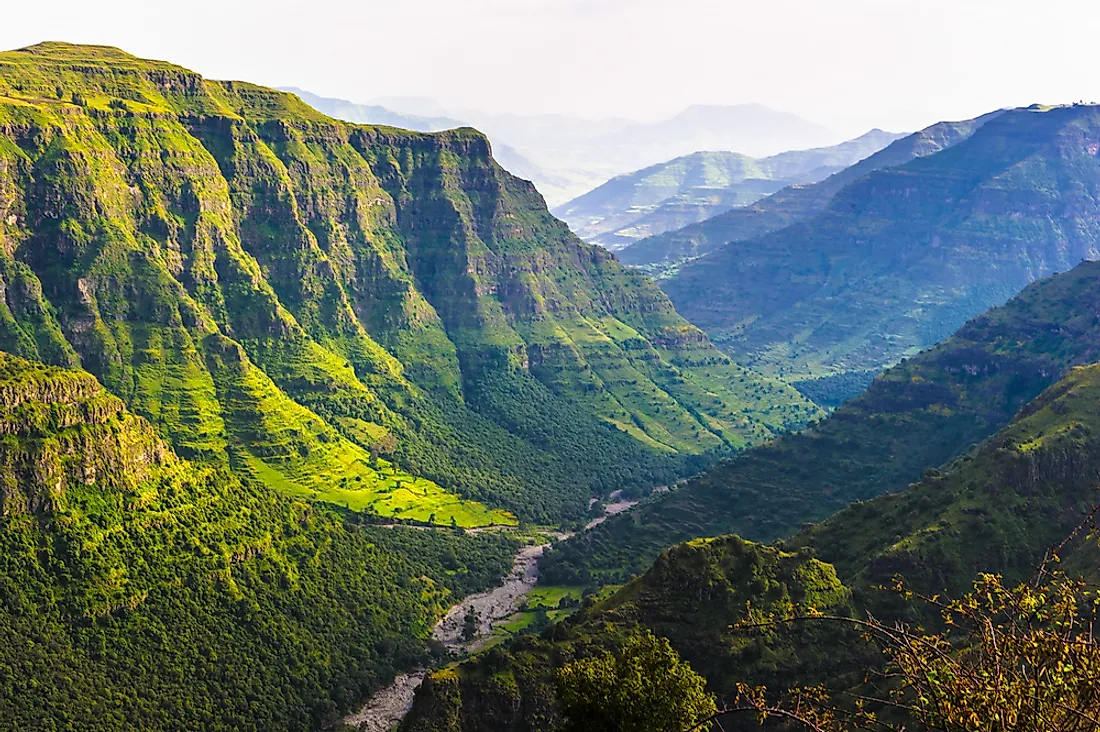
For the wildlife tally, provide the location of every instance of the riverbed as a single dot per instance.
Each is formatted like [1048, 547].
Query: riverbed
[388, 706]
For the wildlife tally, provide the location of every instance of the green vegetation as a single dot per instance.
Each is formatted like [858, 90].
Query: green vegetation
[915, 416]
[644, 685]
[695, 187]
[903, 256]
[139, 589]
[277, 292]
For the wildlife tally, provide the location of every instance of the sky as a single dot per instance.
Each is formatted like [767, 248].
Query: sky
[847, 64]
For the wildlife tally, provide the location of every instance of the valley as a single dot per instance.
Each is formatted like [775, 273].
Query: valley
[554, 388]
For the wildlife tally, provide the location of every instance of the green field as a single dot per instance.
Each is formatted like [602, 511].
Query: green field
[387, 492]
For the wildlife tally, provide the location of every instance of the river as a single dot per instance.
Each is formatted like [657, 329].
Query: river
[388, 706]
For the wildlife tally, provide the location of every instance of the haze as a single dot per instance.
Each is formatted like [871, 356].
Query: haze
[850, 64]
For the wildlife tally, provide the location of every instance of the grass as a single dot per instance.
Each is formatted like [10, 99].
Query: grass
[350, 482]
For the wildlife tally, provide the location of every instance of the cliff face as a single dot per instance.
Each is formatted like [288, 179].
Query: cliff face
[207, 248]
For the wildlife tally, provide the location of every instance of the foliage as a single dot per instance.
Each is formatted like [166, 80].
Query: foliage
[643, 686]
[1011, 658]
[139, 589]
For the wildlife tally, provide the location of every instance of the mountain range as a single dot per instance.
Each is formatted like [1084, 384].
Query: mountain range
[699, 186]
[902, 256]
[568, 156]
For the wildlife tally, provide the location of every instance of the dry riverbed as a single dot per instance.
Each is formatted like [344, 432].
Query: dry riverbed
[388, 706]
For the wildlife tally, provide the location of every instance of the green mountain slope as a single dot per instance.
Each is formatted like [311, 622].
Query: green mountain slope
[139, 590]
[663, 253]
[695, 187]
[279, 292]
[905, 255]
[914, 416]
[996, 509]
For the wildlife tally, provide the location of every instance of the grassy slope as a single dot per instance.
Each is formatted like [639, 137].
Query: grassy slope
[662, 254]
[139, 589]
[905, 255]
[914, 416]
[276, 290]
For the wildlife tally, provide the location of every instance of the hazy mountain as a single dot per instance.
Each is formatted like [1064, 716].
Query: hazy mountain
[662, 253]
[695, 187]
[902, 256]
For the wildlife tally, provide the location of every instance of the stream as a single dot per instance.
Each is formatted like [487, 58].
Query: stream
[388, 706]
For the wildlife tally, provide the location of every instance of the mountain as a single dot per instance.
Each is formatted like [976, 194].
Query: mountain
[662, 253]
[138, 589]
[999, 508]
[694, 187]
[903, 256]
[294, 297]
[916, 415]
[508, 157]
[752, 129]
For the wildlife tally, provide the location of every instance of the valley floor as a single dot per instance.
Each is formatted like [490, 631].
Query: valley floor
[499, 614]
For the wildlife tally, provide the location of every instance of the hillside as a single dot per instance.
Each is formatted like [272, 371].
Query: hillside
[661, 254]
[296, 297]
[914, 416]
[997, 509]
[903, 256]
[139, 589]
[694, 187]
[691, 595]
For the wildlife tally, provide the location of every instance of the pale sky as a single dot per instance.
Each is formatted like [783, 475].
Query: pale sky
[848, 64]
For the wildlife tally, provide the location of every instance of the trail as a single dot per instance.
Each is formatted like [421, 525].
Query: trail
[389, 706]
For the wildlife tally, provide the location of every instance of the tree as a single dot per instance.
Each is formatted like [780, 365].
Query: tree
[385, 445]
[469, 625]
[643, 686]
[1018, 658]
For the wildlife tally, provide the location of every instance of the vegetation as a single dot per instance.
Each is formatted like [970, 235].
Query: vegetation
[279, 292]
[1021, 658]
[917, 415]
[139, 589]
[994, 512]
[645, 685]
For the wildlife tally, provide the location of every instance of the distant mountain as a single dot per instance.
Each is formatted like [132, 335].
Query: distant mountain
[751, 129]
[901, 257]
[662, 253]
[695, 187]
